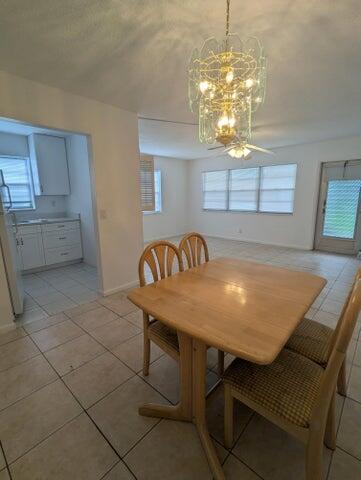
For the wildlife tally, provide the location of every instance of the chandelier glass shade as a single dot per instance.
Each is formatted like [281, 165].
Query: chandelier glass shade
[226, 86]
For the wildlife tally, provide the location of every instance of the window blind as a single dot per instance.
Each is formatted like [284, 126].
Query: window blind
[147, 183]
[17, 177]
[215, 190]
[277, 187]
[243, 189]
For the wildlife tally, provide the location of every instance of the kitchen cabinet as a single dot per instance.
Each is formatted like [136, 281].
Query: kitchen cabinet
[30, 248]
[49, 165]
[49, 243]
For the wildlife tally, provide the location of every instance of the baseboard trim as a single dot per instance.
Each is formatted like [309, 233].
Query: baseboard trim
[125, 286]
[147, 240]
[272, 244]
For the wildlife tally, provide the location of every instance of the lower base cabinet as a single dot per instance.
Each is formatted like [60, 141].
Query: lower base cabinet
[31, 251]
[49, 244]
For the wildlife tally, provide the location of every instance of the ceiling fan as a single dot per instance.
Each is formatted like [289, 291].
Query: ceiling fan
[241, 149]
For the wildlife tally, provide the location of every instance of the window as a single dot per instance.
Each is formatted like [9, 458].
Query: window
[17, 176]
[277, 188]
[243, 189]
[215, 190]
[157, 193]
[260, 189]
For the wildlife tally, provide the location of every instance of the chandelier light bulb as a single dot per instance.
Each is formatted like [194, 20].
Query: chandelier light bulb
[229, 76]
[249, 83]
[203, 86]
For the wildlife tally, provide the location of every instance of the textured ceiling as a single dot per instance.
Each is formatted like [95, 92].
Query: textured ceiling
[134, 54]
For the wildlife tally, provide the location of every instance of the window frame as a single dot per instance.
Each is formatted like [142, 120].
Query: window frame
[31, 182]
[257, 211]
[157, 171]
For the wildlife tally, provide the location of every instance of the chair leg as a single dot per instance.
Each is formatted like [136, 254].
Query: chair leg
[220, 363]
[341, 380]
[314, 456]
[330, 432]
[146, 354]
[228, 416]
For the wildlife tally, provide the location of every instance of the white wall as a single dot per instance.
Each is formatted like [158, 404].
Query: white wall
[115, 163]
[80, 199]
[295, 230]
[173, 220]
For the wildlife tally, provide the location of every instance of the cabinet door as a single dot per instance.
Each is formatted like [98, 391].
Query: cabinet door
[49, 165]
[32, 252]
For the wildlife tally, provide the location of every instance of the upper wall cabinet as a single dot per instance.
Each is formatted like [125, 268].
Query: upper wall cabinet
[49, 165]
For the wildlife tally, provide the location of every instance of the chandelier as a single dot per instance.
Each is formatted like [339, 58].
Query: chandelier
[226, 86]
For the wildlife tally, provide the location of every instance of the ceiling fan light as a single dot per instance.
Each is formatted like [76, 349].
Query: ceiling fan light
[239, 152]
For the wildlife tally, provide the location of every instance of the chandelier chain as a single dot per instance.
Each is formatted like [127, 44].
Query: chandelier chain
[227, 19]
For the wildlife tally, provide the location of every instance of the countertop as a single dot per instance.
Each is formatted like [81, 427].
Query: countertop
[42, 221]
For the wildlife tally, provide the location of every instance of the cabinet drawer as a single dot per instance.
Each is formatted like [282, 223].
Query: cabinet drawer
[61, 238]
[62, 254]
[56, 227]
[28, 229]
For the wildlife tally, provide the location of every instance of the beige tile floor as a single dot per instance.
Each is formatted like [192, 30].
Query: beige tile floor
[71, 383]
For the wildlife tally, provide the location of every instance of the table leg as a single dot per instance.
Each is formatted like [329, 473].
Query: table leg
[199, 407]
[192, 404]
[183, 410]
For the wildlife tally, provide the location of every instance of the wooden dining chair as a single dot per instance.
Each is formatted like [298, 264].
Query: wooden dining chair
[294, 392]
[194, 250]
[161, 259]
[315, 341]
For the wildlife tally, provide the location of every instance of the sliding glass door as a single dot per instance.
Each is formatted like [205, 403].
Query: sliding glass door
[338, 228]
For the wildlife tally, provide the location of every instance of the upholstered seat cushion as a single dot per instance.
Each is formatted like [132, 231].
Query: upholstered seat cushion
[288, 387]
[312, 340]
[164, 333]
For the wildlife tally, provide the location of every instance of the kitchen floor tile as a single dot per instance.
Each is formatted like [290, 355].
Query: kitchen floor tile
[11, 335]
[57, 307]
[74, 312]
[349, 432]
[92, 381]
[115, 332]
[55, 335]
[131, 352]
[4, 475]
[20, 427]
[170, 450]
[88, 456]
[71, 355]
[117, 414]
[16, 352]
[95, 318]
[44, 323]
[119, 472]
[344, 466]
[234, 469]
[19, 381]
[118, 303]
[272, 453]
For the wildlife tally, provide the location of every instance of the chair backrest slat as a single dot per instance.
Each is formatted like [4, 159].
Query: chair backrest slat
[160, 259]
[192, 245]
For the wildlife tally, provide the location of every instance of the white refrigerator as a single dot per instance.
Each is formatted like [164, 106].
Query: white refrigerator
[8, 250]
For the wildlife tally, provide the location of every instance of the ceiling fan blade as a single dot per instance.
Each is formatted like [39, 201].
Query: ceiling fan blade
[215, 148]
[259, 149]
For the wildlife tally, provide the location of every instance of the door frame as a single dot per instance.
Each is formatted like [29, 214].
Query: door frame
[337, 245]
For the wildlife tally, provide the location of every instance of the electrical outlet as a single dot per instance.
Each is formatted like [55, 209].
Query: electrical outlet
[53, 203]
[240, 230]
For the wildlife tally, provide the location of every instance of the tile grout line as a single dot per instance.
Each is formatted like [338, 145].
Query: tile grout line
[5, 459]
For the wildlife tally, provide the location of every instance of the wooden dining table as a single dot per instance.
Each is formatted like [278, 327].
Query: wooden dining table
[244, 308]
